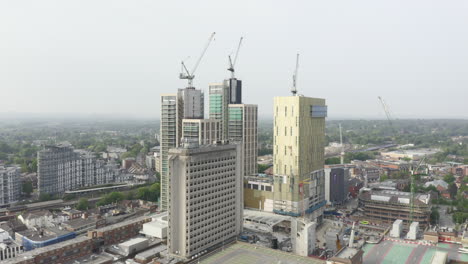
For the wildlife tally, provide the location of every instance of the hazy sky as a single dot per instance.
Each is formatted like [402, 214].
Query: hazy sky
[117, 57]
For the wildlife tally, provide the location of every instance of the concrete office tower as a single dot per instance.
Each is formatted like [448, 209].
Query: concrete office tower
[235, 90]
[9, 185]
[205, 188]
[299, 137]
[336, 185]
[187, 103]
[219, 101]
[203, 131]
[243, 120]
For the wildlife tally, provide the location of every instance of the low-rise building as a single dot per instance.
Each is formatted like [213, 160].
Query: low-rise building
[37, 219]
[119, 232]
[387, 206]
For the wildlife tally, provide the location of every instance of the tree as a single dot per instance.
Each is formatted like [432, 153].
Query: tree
[332, 160]
[27, 188]
[434, 215]
[45, 197]
[112, 197]
[452, 190]
[262, 167]
[82, 204]
[449, 178]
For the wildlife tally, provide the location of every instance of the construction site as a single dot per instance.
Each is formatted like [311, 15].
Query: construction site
[384, 207]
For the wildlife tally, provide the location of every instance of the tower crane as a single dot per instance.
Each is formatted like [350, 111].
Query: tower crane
[190, 75]
[342, 148]
[233, 63]
[294, 86]
[412, 184]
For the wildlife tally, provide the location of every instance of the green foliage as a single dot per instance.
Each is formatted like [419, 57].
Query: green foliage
[358, 156]
[453, 190]
[148, 193]
[449, 178]
[263, 167]
[68, 197]
[112, 197]
[434, 218]
[383, 178]
[27, 188]
[332, 160]
[46, 197]
[460, 217]
[265, 151]
[82, 204]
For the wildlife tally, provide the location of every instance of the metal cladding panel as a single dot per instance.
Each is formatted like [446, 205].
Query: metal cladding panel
[235, 91]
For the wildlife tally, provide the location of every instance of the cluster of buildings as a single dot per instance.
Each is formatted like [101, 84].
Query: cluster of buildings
[61, 169]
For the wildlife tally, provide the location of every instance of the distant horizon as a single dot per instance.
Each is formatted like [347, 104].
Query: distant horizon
[24, 116]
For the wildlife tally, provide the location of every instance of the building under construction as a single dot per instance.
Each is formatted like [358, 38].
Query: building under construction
[386, 206]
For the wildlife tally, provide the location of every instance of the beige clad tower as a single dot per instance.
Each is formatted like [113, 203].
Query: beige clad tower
[299, 138]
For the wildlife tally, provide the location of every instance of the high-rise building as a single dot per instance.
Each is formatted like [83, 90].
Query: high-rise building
[205, 197]
[243, 120]
[203, 131]
[299, 138]
[235, 90]
[9, 185]
[187, 103]
[336, 184]
[61, 168]
[218, 102]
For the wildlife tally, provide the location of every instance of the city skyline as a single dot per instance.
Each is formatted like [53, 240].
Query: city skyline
[89, 67]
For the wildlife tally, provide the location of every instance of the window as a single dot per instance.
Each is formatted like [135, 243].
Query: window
[318, 111]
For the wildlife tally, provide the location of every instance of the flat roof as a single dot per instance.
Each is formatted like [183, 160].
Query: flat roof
[133, 241]
[347, 252]
[31, 254]
[151, 252]
[121, 224]
[244, 253]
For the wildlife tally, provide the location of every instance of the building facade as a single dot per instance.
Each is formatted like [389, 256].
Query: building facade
[205, 198]
[242, 127]
[218, 102]
[336, 185]
[9, 185]
[299, 140]
[61, 168]
[187, 103]
[384, 207]
[203, 131]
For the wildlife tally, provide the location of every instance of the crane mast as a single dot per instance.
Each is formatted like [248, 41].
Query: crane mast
[342, 148]
[190, 75]
[412, 184]
[294, 86]
[233, 63]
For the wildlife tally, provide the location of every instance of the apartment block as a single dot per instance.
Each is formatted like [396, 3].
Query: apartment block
[205, 198]
[9, 185]
[218, 101]
[61, 168]
[299, 138]
[202, 131]
[187, 103]
[242, 121]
